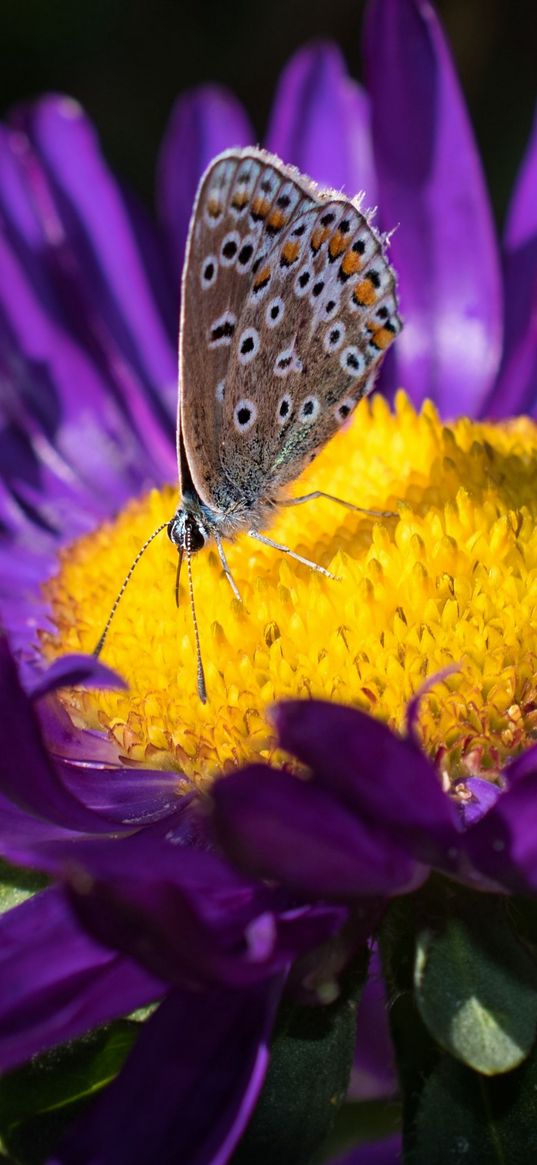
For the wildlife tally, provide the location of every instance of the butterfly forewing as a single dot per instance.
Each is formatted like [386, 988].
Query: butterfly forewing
[288, 305]
[245, 200]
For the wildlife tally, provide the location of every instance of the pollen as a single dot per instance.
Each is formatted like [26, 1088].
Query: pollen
[451, 579]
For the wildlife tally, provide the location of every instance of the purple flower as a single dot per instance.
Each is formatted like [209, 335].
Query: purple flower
[88, 310]
[88, 291]
[169, 921]
[372, 808]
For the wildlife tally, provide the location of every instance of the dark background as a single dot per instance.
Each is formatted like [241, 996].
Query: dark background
[126, 61]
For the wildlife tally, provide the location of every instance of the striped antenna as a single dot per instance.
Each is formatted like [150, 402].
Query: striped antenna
[202, 690]
[100, 644]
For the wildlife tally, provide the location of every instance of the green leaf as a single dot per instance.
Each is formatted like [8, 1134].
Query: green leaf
[359, 1121]
[16, 885]
[311, 1059]
[467, 1118]
[476, 988]
[39, 1101]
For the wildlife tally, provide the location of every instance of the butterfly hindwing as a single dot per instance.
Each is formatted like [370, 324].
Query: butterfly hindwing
[308, 343]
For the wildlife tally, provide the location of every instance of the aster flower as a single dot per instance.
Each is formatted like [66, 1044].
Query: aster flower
[87, 345]
[460, 967]
[211, 947]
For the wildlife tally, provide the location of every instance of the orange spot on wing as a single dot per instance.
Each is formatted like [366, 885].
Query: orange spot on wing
[364, 293]
[337, 244]
[240, 198]
[351, 263]
[276, 220]
[261, 278]
[290, 253]
[214, 208]
[381, 337]
[319, 236]
[260, 208]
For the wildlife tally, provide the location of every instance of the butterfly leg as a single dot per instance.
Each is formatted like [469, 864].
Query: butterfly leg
[319, 493]
[297, 557]
[226, 569]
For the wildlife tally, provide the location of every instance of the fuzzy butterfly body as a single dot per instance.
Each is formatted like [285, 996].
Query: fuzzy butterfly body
[288, 306]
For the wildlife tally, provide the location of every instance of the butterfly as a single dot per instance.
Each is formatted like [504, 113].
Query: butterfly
[288, 306]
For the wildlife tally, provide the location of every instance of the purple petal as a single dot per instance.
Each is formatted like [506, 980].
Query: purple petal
[21, 834]
[277, 826]
[484, 796]
[387, 1151]
[516, 390]
[27, 774]
[320, 122]
[431, 185]
[203, 122]
[383, 778]
[82, 243]
[413, 707]
[85, 197]
[521, 766]
[82, 449]
[76, 745]
[73, 671]
[55, 982]
[374, 1074]
[503, 844]
[187, 1089]
[133, 796]
[179, 909]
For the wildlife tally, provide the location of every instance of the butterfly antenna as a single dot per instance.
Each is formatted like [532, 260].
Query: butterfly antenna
[99, 646]
[178, 575]
[202, 690]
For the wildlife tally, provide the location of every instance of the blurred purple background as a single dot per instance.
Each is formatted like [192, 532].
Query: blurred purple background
[126, 61]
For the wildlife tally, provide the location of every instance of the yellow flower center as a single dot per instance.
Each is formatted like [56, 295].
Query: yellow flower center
[451, 579]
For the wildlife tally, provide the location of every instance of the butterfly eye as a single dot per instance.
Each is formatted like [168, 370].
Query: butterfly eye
[244, 415]
[334, 337]
[310, 410]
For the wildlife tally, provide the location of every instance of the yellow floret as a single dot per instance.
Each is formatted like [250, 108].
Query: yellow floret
[451, 579]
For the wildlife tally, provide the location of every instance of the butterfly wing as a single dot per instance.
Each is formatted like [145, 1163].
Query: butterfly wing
[315, 323]
[245, 199]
